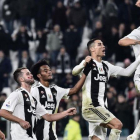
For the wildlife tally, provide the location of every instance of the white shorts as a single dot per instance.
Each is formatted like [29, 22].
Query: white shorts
[137, 81]
[96, 116]
[19, 133]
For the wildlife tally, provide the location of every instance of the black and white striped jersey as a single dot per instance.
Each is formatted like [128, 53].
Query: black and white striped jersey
[95, 84]
[24, 106]
[49, 97]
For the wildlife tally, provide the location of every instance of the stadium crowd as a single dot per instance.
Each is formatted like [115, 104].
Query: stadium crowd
[58, 31]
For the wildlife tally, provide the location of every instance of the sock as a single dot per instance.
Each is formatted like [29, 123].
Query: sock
[136, 132]
[114, 134]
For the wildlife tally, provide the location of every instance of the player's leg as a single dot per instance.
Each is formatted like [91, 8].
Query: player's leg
[110, 121]
[116, 127]
[97, 132]
[136, 133]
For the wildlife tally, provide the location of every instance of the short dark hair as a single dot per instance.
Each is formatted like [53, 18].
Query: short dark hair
[18, 73]
[90, 42]
[35, 69]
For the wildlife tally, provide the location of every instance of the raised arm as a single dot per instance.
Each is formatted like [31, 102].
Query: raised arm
[80, 83]
[77, 69]
[58, 116]
[8, 115]
[130, 69]
[127, 42]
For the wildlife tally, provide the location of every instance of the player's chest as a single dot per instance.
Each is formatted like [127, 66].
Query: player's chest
[99, 73]
[48, 98]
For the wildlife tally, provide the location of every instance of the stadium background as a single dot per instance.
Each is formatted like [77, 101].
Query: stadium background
[58, 30]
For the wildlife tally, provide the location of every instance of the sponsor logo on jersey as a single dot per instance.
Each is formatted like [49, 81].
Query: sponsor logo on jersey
[32, 110]
[100, 78]
[8, 104]
[50, 106]
[43, 96]
[27, 100]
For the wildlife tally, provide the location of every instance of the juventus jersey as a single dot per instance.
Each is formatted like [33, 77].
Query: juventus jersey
[49, 97]
[24, 106]
[95, 84]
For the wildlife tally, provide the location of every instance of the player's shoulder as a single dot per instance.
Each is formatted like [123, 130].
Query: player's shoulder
[105, 62]
[36, 85]
[18, 90]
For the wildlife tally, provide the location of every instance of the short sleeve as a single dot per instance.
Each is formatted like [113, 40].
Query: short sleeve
[11, 102]
[63, 92]
[135, 34]
[114, 70]
[40, 109]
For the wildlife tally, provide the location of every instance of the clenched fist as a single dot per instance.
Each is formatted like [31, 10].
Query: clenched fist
[71, 111]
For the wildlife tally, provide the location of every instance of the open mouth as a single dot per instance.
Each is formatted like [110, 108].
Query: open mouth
[103, 51]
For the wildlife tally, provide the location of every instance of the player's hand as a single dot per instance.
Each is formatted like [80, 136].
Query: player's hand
[87, 68]
[24, 124]
[87, 59]
[2, 136]
[71, 111]
[138, 3]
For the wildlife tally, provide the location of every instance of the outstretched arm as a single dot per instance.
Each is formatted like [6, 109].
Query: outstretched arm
[130, 69]
[58, 116]
[128, 42]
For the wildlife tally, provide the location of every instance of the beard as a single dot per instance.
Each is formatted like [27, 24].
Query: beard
[29, 82]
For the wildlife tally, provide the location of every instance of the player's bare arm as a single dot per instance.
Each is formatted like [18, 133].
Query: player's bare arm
[77, 69]
[58, 116]
[78, 86]
[138, 3]
[8, 115]
[128, 42]
[2, 136]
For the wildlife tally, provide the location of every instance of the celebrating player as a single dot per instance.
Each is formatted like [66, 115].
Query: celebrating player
[21, 108]
[50, 96]
[133, 39]
[94, 104]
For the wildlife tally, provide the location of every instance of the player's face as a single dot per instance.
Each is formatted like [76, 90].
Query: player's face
[45, 73]
[99, 48]
[27, 77]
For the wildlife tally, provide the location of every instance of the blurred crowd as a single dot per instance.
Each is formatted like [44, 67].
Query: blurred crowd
[58, 30]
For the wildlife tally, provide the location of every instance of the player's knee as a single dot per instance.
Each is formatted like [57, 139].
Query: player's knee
[95, 138]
